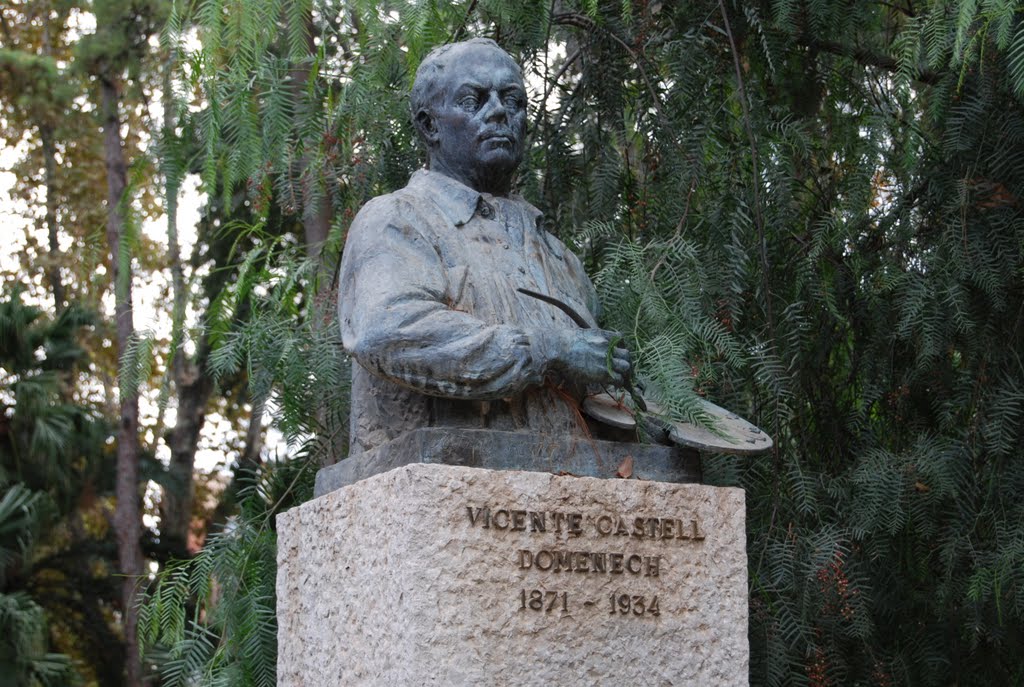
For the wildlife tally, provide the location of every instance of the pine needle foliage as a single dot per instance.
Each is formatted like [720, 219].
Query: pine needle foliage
[809, 211]
[211, 620]
[292, 363]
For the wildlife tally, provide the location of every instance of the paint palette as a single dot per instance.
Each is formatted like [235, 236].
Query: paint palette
[733, 434]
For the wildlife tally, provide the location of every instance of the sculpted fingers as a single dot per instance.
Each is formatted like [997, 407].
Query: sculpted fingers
[622, 362]
[622, 367]
[618, 362]
[588, 355]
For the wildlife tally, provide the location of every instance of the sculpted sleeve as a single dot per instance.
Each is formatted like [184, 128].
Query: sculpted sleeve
[397, 322]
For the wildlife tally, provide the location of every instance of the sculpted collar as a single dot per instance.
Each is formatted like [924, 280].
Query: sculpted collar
[458, 201]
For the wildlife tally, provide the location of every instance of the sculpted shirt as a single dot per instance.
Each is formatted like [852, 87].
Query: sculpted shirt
[430, 312]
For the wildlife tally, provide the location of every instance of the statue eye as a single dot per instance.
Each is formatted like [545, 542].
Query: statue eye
[468, 102]
[512, 101]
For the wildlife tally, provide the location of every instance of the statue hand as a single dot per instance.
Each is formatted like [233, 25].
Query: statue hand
[592, 356]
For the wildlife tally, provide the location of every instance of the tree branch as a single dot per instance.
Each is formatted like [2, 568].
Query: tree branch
[585, 22]
[461, 30]
[866, 57]
[762, 238]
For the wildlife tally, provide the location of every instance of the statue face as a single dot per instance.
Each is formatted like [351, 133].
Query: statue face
[478, 120]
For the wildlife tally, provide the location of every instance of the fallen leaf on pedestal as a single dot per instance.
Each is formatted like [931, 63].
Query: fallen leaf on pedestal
[625, 470]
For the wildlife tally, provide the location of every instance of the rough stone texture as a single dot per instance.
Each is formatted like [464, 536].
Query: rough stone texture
[480, 448]
[387, 582]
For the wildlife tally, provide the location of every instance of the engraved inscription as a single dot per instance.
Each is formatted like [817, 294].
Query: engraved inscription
[589, 562]
[635, 604]
[540, 600]
[650, 528]
[575, 525]
[525, 520]
[609, 528]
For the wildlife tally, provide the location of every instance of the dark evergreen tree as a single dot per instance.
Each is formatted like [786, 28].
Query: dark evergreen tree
[54, 589]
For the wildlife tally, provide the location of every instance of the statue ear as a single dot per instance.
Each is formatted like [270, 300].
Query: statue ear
[426, 126]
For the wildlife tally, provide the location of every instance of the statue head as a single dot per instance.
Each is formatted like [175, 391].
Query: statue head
[469, 108]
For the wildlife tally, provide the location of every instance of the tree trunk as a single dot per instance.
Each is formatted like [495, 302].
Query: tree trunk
[193, 386]
[50, 179]
[127, 515]
[252, 455]
[194, 390]
[46, 135]
[317, 212]
[317, 208]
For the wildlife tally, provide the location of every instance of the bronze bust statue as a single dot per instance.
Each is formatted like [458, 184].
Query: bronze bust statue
[447, 286]
[429, 305]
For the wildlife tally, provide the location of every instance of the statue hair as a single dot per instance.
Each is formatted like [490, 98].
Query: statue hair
[426, 86]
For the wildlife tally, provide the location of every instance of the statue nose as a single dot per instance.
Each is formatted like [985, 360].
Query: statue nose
[495, 109]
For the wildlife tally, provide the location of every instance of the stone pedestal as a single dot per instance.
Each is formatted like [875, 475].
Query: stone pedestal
[435, 574]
